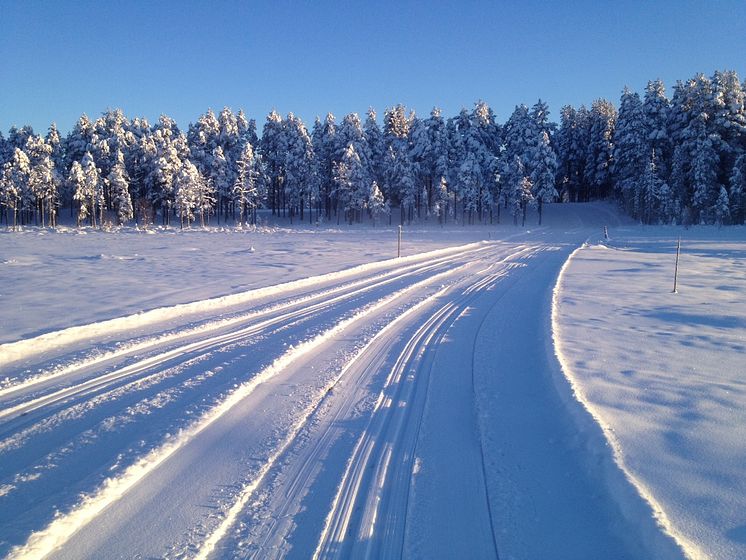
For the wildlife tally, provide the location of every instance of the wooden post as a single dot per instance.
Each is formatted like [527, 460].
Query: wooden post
[676, 268]
[398, 245]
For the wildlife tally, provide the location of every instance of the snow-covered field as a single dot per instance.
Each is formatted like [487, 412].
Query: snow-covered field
[287, 393]
[664, 372]
[55, 279]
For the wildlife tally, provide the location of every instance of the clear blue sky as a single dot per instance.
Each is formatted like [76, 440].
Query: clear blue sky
[59, 59]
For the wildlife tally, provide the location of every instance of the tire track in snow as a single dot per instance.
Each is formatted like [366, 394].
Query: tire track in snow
[365, 496]
[89, 400]
[203, 345]
[323, 296]
[43, 542]
[16, 351]
[209, 545]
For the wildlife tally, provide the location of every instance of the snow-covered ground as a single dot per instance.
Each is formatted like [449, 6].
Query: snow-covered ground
[57, 278]
[664, 372]
[287, 393]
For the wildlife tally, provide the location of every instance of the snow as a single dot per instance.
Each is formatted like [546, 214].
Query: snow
[285, 392]
[662, 372]
[56, 279]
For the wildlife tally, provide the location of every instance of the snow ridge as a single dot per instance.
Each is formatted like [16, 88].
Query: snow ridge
[209, 545]
[325, 297]
[45, 541]
[660, 547]
[14, 351]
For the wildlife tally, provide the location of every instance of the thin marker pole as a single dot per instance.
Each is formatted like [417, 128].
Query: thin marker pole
[676, 269]
[398, 244]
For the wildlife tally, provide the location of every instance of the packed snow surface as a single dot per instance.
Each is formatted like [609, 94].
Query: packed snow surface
[298, 393]
[663, 372]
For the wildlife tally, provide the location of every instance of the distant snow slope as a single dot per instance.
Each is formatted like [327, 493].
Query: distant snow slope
[664, 372]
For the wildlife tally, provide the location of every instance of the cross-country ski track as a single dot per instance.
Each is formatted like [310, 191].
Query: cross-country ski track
[384, 411]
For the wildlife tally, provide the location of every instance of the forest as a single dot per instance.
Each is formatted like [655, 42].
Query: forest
[665, 160]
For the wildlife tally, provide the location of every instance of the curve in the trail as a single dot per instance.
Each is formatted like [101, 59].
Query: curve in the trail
[654, 525]
[382, 389]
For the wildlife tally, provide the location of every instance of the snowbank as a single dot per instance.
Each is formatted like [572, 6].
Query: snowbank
[662, 372]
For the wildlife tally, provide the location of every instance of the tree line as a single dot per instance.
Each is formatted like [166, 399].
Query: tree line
[677, 160]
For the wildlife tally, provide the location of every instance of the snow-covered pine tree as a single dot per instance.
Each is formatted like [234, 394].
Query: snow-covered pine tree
[351, 132]
[483, 141]
[440, 199]
[737, 184]
[191, 192]
[121, 200]
[467, 185]
[39, 194]
[205, 196]
[166, 165]
[704, 169]
[273, 147]
[5, 151]
[396, 124]
[220, 175]
[229, 137]
[246, 130]
[92, 190]
[400, 185]
[582, 138]
[516, 183]
[323, 139]
[485, 127]
[246, 191]
[111, 134]
[651, 204]
[45, 184]
[203, 138]
[527, 198]
[728, 120]
[377, 207]
[15, 178]
[419, 146]
[376, 146]
[630, 153]
[539, 115]
[519, 135]
[353, 188]
[600, 148]
[721, 209]
[77, 181]
[54, 141]
[436, 158]
[79, 141]
[300, 184]
[231, 141]
[655, 110]
[567, 160]
[140, 164]
[544, 173]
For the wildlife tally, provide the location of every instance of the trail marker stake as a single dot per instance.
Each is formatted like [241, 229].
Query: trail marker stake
[398, 244]
[676, 268]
